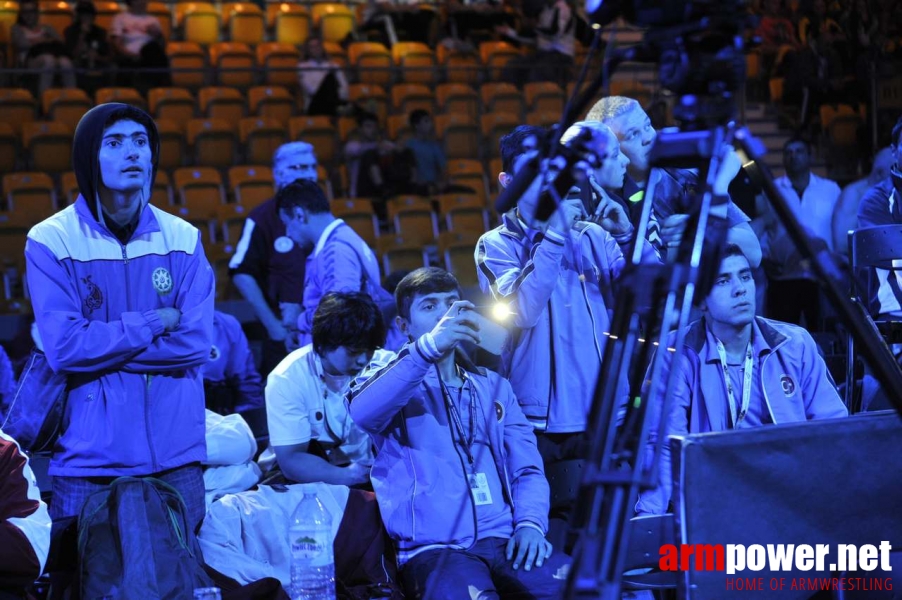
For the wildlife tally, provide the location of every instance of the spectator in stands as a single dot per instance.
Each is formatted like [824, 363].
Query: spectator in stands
[555, 43]
[322, 81]
[123, 299]
[427, 152]
[267, 267]
[673, 187]
[338, 260]
[490, 541]
[377, 167]
[39, 47]
[882, 205]
[231, 381]
[736, 371]
[138, 42]
[87, 44]
[24, 522]
[778, 36]
[845, 217]
[560, 315]
[792, 290]
[310, 429]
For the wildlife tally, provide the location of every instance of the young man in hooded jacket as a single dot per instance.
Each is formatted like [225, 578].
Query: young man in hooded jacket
[123, 301]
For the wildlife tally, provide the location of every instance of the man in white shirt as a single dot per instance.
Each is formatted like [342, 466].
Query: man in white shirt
[793, 290]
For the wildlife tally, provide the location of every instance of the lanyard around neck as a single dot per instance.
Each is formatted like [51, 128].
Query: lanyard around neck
[737, 413]
[466, 439]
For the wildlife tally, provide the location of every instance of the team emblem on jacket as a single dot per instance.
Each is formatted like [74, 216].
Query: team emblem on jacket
[283, 244]
[94, 299]
[789, 386]
[214, 353]
[162, 281]
[499, 410]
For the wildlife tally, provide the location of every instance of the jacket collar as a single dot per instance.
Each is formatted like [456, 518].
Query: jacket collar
[147, 221]
[765, 339]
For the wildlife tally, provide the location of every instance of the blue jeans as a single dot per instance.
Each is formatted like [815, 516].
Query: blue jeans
[70, 493]
[482, 573]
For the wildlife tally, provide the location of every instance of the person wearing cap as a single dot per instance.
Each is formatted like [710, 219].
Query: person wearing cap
[268, 267]
[123, 300]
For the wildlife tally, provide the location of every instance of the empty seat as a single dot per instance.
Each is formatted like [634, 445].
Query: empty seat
[459, 66]
[372, 98]
[347, 127]
[213, 142]
[49, 146]
[290, 22]
[244, 22]
[413, 219]
[57, 14]
[251, 185]
[279, 63]
[399, 254]
[172, 144]
[271, 102]
[233, 63]
[187, 64]
[173, 104]
[407, 97]
[222, 103]
[543, 118]
[322, 179]
[358, 214]
[9, 148]
[123, 95]
[260, 138]
[199, 189]
[335, 21]
[470, 173]
[458, 260]
[230, 219]
[32, 196]
[372, 61]
[544, 96]
[9, 14]
[399, 128]
[162, 190]
[17, 107]
[501, 97]
[495, 56]
[69, 189]
[163, 14]
[495, 125]
[199, 21]
[464, 212]
[457, 99]
[416, 62]
[65, 105]
[459, 135]
[318, 131]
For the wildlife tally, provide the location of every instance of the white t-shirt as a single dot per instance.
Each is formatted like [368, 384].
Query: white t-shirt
[134, 30]
[300, 408]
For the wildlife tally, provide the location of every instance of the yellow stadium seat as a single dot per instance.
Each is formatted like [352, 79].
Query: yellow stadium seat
[187, 63]
[775, 86]
[501, 97]
[459, 135]
[9, 14]
[335, 21]
[213, 142]
[372, 98]
[172, 144]
[13, 233]
[173, 104]
[65, 105]
[123, 95]
[469, 172]
[69, 189]
[106, 11]
[31, 196]
[372, 61]
[322, 178]
[244, 22]
[271, 102]
[49, 145]
[543, 118]
[544, 95]
[250, 185]
[416, 62]
[230, 220]
[222, 103]
[495, 125]
[233, 63]
[400, 254]
[399, 128]
[318, 131]
[447, 239]
[631, 88]
[162, 190]
[163, 13]
[457, 99]
[407, 97]
[199, 189]
[57, 14]
[9, 148]
[358, 214]
[290, 22]
[347, 127]
[458, 259]
[279, 62]
[260, 138]
[336, 52]
[199, 21]
[495, 56]
[460, 67]
[17, 107]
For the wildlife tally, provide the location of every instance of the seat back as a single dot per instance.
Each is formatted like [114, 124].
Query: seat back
[187, 63]
[234, 64]
[271, 102]
[290, 22]
[260, 139]
[245, 22]
[279, 62]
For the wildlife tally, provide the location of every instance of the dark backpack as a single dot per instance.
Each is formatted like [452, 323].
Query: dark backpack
[134, 542]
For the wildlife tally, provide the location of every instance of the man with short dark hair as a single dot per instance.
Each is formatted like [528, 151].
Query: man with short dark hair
[310, 429]
[457, 474]
[123, 301]
[736, 371]
[338, 260]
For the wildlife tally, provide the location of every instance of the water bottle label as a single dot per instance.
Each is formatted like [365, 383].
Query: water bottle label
[310, 545]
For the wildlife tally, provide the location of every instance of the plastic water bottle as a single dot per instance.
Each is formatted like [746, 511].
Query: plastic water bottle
[312, 558]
